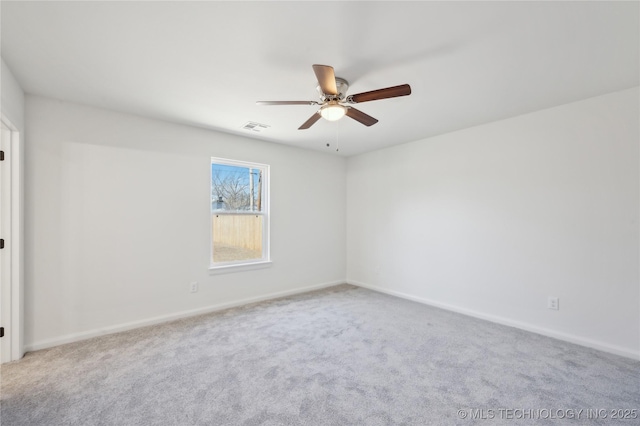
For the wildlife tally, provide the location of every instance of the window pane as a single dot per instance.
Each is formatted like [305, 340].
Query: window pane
[237, 237]
[235, 188]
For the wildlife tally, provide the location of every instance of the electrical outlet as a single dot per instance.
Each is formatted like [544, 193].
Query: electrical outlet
[553, 303]
[193, 287]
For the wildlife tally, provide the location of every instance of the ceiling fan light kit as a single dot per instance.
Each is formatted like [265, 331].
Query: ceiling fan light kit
[333, 98]
[333, 111]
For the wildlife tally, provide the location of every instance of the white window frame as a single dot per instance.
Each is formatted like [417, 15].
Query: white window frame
[250, 264]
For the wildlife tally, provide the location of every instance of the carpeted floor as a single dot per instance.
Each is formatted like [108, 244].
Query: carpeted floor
[339, 356]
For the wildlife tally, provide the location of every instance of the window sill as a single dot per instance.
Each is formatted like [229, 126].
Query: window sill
[241, 267]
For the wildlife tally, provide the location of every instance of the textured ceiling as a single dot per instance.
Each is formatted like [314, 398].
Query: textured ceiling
[206, 63]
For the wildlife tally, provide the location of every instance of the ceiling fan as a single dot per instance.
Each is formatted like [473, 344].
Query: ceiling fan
[334, 102]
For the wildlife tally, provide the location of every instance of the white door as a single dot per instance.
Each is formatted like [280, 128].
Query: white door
[5, 252]
[11, 289]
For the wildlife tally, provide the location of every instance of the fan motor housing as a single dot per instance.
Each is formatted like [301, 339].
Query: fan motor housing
[341, 84]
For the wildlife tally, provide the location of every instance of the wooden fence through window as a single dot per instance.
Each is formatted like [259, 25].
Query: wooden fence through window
[238, 230]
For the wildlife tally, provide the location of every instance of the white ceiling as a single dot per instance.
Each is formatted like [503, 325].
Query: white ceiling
[206, 63]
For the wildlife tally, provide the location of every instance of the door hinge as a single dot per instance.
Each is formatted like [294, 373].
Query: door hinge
[1, 331]
[1, 243]
[1, 155]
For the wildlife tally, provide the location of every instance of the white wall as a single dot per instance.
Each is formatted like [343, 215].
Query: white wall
[12, 97]
[117, 219]
[492, 220]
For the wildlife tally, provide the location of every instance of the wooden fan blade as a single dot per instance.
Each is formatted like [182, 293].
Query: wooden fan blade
[360, 116]
[326, 79]
[311, 121]
[389, 92]
[286, 103]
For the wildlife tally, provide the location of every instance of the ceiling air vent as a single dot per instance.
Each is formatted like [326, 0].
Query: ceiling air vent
[255, 127]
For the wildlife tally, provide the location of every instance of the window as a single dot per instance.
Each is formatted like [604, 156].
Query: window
[239, 213]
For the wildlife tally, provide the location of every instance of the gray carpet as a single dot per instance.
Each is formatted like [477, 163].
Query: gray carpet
[339, 356]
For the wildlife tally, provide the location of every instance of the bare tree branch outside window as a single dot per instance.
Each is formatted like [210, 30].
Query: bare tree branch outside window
[236, 188]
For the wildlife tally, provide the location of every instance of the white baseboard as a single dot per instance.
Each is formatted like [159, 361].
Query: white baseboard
[75, 337]
[628, 353]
